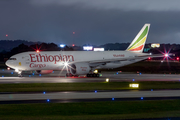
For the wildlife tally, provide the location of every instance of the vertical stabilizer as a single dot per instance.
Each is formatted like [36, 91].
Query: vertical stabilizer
[139, 41]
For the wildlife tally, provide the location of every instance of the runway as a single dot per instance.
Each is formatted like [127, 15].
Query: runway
[6, 98]
[112, 76]
[90, 96]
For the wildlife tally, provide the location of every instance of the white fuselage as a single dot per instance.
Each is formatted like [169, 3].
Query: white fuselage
[54, 60]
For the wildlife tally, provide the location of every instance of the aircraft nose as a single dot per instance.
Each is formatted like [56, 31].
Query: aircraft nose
[7, 63]
[10, 63]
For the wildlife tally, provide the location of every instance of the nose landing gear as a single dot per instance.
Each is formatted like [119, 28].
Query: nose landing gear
[19, 72]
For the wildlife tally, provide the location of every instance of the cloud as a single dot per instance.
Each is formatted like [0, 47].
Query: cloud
[127, 5]
[55, 21]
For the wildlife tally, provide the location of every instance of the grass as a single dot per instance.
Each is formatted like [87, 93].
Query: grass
[39, 87]
[113, 110]
[92, 110]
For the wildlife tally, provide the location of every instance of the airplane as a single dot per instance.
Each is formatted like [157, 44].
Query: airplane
[80, 62]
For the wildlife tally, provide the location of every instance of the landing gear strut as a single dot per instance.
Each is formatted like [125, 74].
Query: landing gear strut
[69, 75]
[19, 74]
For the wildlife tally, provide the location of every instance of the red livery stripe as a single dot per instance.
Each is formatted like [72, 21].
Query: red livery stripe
[138, 48]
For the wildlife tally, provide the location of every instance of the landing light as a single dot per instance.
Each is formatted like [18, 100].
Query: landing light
[95, 71]
[65, 63]
[16, 70]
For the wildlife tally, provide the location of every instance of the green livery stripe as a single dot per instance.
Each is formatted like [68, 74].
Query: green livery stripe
[141, 42]
[140, 37]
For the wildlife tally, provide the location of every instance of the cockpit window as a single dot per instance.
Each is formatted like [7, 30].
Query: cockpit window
[12, 58]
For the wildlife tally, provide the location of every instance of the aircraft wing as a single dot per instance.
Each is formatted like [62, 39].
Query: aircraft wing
[155, 55]
[103, 62]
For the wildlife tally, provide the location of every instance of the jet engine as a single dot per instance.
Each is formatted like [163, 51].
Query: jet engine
[79, 68]
[44, 71]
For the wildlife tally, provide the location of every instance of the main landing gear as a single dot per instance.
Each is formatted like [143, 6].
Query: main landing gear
[93, 75]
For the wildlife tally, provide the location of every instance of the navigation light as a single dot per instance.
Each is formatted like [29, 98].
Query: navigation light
[177, 58]
[166, 55]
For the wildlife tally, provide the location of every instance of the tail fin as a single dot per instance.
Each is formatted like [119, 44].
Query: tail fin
[138, 43]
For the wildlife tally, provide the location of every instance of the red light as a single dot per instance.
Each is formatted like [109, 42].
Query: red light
[73, 32]
[177, 58]
[37, 51]
[6, 35]
[73, 45]
[149, 58]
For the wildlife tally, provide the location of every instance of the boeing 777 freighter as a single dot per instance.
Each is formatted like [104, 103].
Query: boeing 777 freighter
[80, 62]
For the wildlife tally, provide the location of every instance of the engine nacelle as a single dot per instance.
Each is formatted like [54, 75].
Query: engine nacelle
[44, 71]
[79, 68]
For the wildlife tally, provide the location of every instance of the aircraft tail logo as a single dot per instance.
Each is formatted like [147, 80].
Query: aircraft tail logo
[139, 41]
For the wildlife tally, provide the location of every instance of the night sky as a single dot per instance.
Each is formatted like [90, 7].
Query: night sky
[93, 22]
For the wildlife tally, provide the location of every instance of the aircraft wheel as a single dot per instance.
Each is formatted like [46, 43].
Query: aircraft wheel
[19, 75]
[92, 75]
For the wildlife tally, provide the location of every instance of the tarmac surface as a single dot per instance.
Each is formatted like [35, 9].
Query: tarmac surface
[6, 98]
[112, 76]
